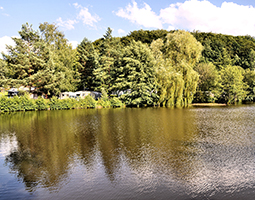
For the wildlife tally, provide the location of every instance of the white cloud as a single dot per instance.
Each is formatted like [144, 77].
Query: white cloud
[202, 15]
[4, 14]
[230, 18]
[76, 5]
[86, 17]
[5, 40]
[170, 28]
[142, 16]
[74, 44]
[68, 24]
[121, 31]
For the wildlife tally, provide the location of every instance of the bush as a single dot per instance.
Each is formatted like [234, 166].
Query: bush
[4, 104]
[104, 100]
[24, 103]
[17, 104]
[41, 103]
[88, 102]
[55, 104]
[116, 102]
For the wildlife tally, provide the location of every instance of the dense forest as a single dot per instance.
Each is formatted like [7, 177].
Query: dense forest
[144, 68]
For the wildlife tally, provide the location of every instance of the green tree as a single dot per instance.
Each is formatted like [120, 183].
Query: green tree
[170, 83]
[3, 73]
[88, 58]
[232, 85]
[223, 50]
[249, 79]
[24, 58]
[109, 50]
[145, 36]
[42, 60]
[65, 59]
[181, 46]
[251, 59]
[175, 60]
[208, 83]
[135, 75]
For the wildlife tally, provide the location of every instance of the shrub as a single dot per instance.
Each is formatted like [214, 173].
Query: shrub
[87, 102]
[104, 100]
[54, 104]
[24, 103]
[41, 103]
[116, 102]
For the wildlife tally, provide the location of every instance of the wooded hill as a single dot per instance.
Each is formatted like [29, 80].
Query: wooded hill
[155, 67]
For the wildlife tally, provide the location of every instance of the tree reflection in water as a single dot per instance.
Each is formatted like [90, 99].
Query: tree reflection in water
[147, 148]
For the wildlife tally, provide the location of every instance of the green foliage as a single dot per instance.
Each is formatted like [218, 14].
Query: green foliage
[165, 74]
[135, 75]
[175, 59]
[109, 51]
[183, 51]
[181, 46]
[223, 50]
[208, 83]
[145, 36]
[58, 104]
[87, 102]
[116, 102]
[54, 104]
[23, 103]
[43, 60]
[104, 101]
[88, 59]
[249, 79]
[22, 92]
[169, 82]
[232, 85]
[42, 104]
[6, 104]
[3, 73]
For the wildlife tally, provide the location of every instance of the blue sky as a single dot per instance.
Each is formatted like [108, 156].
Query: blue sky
[90, 18]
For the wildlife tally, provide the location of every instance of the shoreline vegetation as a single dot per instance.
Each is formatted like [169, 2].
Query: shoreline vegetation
[25, 103]
[145, 68]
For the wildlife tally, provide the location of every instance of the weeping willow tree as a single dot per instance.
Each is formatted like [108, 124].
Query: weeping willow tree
[169, 82]
[175, 60]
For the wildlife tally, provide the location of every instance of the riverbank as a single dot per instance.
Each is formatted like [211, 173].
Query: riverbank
[24, 103]
[208, 104]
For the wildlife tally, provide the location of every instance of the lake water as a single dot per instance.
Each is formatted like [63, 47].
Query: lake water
[131, 153]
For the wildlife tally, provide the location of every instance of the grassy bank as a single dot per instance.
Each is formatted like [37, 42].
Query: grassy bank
[24, 103]
[209, 104]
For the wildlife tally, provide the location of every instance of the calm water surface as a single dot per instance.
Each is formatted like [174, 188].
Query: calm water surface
[150, 153]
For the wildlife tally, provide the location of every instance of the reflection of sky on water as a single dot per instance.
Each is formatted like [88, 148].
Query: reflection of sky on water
[7, 144]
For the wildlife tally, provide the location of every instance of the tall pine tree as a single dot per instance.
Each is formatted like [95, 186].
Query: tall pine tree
[109, 51]
[88, 59]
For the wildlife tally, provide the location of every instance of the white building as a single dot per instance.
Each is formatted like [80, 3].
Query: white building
[78, 94]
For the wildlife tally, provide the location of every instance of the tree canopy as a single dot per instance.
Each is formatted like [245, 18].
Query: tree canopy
[43, 60]
[158, 67]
